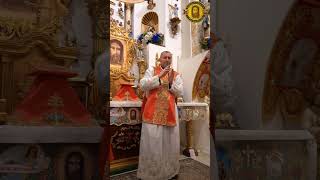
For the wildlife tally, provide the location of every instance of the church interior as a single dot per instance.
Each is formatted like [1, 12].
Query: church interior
[139, 32]
[249, 109]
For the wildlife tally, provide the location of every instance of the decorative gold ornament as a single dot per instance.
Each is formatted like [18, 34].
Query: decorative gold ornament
[195, 11]
[16, 29]
[121, 56]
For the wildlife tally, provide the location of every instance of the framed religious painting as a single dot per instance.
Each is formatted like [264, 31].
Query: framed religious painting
[201, 85]
[121, 57]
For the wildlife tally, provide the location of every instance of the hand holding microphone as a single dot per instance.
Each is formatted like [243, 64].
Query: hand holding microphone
[164, 71]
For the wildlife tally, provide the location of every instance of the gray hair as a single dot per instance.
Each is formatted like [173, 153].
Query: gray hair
[163, 52]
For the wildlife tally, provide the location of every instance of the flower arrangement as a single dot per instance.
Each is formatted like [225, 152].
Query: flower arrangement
[151, 37]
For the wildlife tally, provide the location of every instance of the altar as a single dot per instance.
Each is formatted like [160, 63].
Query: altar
[125, 126]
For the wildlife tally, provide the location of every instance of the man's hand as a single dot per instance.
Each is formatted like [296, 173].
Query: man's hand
[164, 72]
[171, 76]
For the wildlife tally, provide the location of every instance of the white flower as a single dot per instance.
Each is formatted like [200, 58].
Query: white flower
[147, 37]
[144, 41]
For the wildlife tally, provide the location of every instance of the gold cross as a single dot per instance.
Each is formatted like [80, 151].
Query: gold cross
[55, 101]
[127, 95]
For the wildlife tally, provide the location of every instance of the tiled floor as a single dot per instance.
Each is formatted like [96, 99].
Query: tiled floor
[202, 157]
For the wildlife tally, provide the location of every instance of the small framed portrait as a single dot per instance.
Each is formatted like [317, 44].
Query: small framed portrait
[133, 114]
[74, 163]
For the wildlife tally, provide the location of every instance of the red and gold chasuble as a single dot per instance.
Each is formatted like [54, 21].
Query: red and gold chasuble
[159, 107]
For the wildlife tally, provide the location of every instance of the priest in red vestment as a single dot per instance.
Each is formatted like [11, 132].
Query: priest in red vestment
[160, 139]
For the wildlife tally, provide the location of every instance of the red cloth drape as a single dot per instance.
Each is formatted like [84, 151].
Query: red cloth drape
[51, 94]
[121, 94]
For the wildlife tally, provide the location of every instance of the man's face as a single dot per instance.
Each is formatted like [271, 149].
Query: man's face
[115, 51]
[165, 59]
[74, 164]
[195, 10]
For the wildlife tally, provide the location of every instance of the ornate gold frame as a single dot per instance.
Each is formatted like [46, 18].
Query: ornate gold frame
[196, 94]
[119, 33]
[119, 73]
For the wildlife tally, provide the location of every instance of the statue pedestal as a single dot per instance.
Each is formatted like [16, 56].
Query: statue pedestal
[191, 112]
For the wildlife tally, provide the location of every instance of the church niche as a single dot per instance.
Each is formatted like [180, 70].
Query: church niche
[150, 21]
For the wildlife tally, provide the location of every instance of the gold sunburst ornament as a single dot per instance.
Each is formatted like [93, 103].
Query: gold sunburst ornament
[195, 11]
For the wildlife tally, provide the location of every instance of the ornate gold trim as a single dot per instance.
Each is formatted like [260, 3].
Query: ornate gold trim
[119, 33]
[199, 94]
[22, 36]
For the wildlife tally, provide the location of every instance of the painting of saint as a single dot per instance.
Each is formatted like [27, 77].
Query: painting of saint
[74, 166]
[203, 82]
[116, 52]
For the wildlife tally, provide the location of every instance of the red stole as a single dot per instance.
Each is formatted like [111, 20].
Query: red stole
[159, 107]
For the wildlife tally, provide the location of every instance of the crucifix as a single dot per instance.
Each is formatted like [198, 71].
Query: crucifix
[37, 7]
[55, 101]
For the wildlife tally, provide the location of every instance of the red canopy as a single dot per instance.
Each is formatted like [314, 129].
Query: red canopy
[51, 100]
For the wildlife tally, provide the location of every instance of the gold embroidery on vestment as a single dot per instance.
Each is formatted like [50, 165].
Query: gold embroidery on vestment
[162, 106]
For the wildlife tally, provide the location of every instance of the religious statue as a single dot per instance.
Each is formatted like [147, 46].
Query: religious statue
[139, 52]
[205, 22]
[174, 20]
[98, 78]
[224, 84]
[174, 10]
[151, 4]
